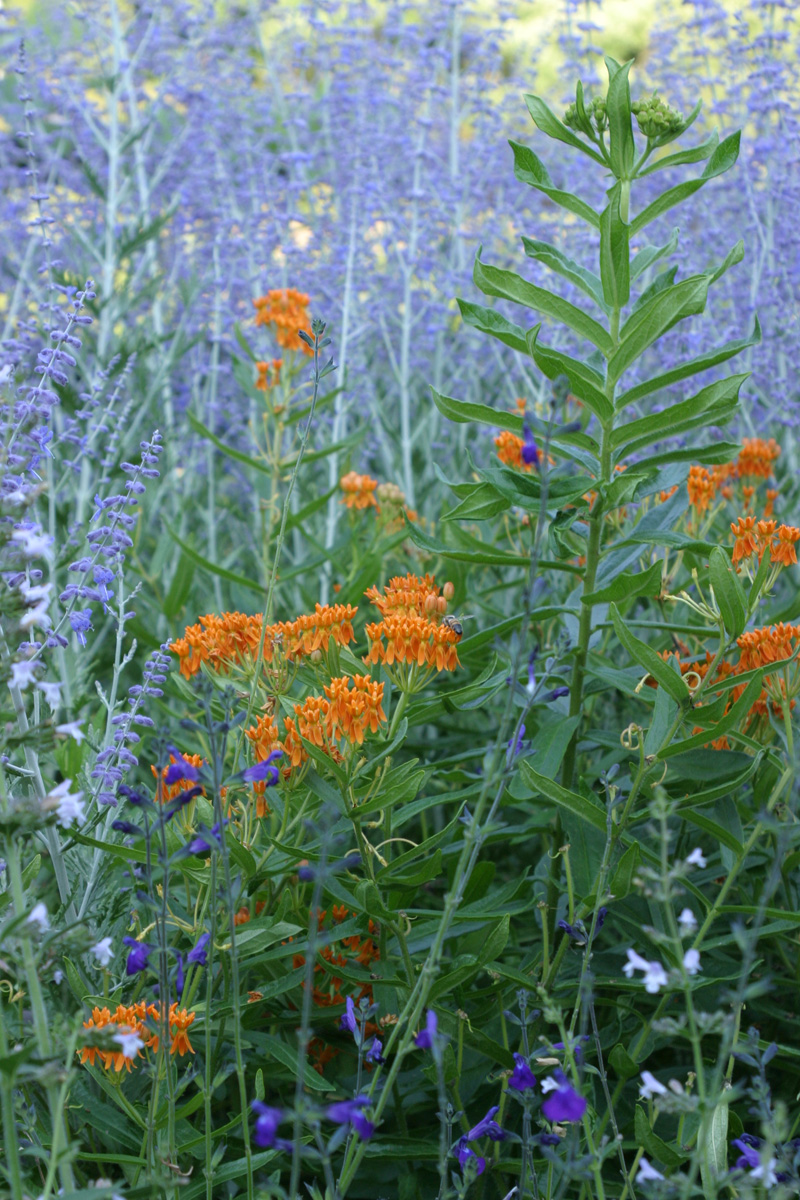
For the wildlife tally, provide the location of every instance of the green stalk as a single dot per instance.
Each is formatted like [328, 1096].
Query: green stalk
[10, 1135]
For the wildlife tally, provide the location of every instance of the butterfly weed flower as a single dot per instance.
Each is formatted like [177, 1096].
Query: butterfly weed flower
[359, 491]
[286, 310]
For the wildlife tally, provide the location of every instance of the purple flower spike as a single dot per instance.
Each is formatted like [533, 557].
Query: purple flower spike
[264, 772]
[522, 1078]
[348, 1020]
[563, 1102]
[530, 451]
[375, 1053]
[425, 1038]
[137, 959]
[350, 1112]
[468, 1158]
[199, 954]
[488, 1127]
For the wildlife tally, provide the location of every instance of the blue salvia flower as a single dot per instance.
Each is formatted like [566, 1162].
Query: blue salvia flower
[487, 1127]
[522, 1078]
[138, 956]
[351, 1112]
[199, 952]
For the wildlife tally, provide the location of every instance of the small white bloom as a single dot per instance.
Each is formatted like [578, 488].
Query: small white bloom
[37, 616]
[103, 952]
[32, 543]
[38, 916]
[646, 1172]
[691, 962]
[71, 729]
[52, 692]
[687, 922]
[655, 976]
[767, 1173]
[69, 804]
[696, 858]
[58, 975]
[549, 1085]
[651, 1087]
[23, 673]
[129, 1041]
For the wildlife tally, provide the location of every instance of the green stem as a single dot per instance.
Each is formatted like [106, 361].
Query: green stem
[10, 1136]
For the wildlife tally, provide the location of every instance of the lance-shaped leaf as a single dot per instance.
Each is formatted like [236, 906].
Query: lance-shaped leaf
[680, 158]
[648, 324]
[584, 381]
[529, 168]
[627, 586]
[693, 366]
[614, 252]
[650, 254]
[567, 268]
[464, 411]
[721, 160]
[652, 662]
[488, 320]
[674, 419]
[494, 281]
[571, 802]
[549, 123]
[659, 283]
[725, 724]
[618, 108]
[728, 591]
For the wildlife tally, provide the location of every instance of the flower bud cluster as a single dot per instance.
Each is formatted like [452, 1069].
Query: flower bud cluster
[655, 117]
[596, 113]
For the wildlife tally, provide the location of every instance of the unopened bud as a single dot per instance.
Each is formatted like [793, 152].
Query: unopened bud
[441, 605]
[449, 590]
[430, 603]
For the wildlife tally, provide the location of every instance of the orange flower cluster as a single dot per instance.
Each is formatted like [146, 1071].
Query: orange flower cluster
[287, 310]
[755, 537]
[768, 645]
[132, 1019]
[363, 951]
[343, 712]
[232, 637]
[168, 792]
[509, 450]
[358, 490]
[756, 458]
[269, 374]
[411, 631]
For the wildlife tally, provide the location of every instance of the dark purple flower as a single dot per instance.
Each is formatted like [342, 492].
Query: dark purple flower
[466, 1156]
[126, 827]
[305, 873]
[132, 796]
[601, 916]
[749, 1158]
[267, 1122]
[375, 1052]
[547, 1139]
[522, 1077]
[556, 693]
[205, 842]
[181, 769]
[530, 451]
[264, 772]
[577, 931]
[198, 953]
[563, 1103]
[488, 1127]
[515, 745]
[348, 1020]
[425, 1038]
[350, 1112]
[179, 976]
[137, 959]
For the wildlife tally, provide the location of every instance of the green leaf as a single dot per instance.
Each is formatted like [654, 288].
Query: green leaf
[482, 502]
[714, 830]
[567, 268]
[628, 586]
[482, 555]
[228, 451]
[653, 1145]
[681, 158]
[653, 663]
[492, 947]
[207, 565]
[679, 417]
[618, 108]
[488, 320]
[650, 254]
[494, 281]
[614, 251]
[571, 802]
[584, 382]
[721, 160]
[728, 591]
[549, 123]
[660, 283]
[692, 367]
[648, 324]
[712, 1144]
[625, 873]
[623, 1064]
[180, 587]
[528, 168]
[727, 722]
[390, 877]
[463, 411]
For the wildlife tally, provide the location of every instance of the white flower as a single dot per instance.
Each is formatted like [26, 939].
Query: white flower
[38, 615]
[691, 962]
[69, 804]
[38, 916]
[129, 1041]
[71, 729]
[52, 692]
[103, 952]
[646, 1172]
[549, 1085]
[758, 1173]
[655, 976]
[696, 858]
[23, 673]
[58, 975]
[32, 542]
[651, 1087]
[687, 922]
